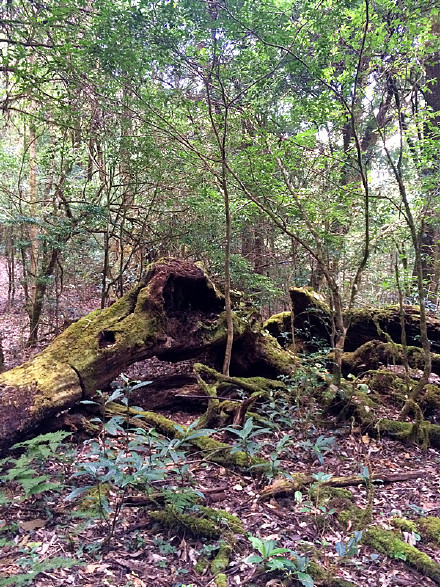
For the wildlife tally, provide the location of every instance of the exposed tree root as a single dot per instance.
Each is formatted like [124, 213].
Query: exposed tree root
[215, 384]
[212, 450]
[356, 404]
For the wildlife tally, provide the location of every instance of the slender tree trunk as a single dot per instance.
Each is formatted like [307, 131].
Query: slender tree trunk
[228, 305]
[41, 284]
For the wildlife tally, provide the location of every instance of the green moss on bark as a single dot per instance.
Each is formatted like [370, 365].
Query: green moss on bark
[404, 524]
[430, 527]
[388, 543]
[426, 432]
[326, 578]
[207, 522]
[221, 561]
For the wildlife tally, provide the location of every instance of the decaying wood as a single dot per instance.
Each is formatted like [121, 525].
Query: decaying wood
[174, 314]
[312, 323]
[376, 354]
[214, 383]
[289, 486]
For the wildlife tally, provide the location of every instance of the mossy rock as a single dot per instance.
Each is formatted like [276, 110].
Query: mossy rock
[386, 383]
[280, 327]
[388, 543]
[350, 401]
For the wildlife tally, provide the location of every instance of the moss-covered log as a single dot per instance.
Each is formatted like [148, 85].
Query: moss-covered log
[375, 354]
[174, 314]
[389, 543]
[313, 324]
[300, 480]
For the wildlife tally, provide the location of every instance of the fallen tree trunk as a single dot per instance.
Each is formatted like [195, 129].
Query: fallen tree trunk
[175, 314]
[299, 480]
[312, 324]
[376, 354]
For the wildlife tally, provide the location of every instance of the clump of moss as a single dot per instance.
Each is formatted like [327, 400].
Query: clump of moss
[325, 577]
[356, 403]
[430, 399]
[206, 521]
[224, 519]
[350, 515]
[201, 565]
[387, 383]
[221, 580]
[188, 522]
[404, 431]
[388, 543]
[221, 561]
[430, 527]
[324, 494]
[404, 524]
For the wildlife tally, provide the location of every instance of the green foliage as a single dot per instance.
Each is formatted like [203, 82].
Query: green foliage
[350, 547]
[131, 456]
[32, 566]
[274, 469]
[273, 558]
[320, 446]
[246, 438]
[27, 469]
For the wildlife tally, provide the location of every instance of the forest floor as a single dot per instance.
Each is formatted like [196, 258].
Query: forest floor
[108, 533]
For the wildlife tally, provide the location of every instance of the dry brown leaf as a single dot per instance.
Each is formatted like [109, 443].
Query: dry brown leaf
[33, 524]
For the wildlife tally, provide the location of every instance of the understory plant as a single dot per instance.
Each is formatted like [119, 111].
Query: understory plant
[28, 469]
[31, 564]
[283, 560]
[246, 438]
[130, 456]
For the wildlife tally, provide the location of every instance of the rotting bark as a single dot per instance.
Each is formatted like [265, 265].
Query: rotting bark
[174, 314]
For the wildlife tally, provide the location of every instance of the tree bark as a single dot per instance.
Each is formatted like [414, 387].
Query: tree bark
[175, 314]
